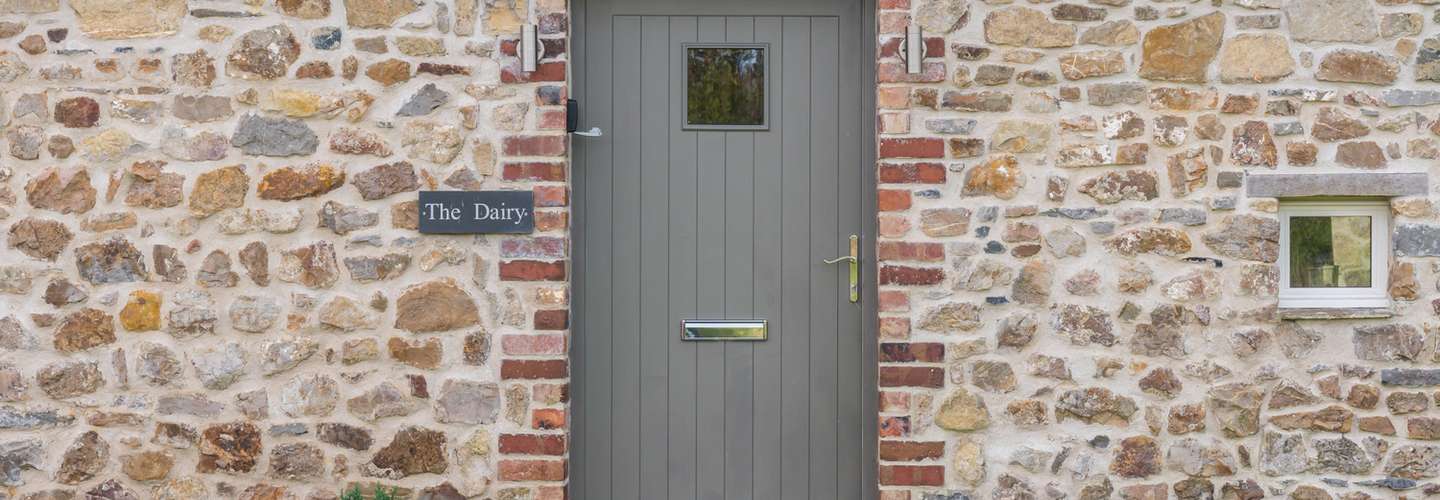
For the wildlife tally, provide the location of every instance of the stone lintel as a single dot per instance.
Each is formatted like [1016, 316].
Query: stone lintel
[1337, 184]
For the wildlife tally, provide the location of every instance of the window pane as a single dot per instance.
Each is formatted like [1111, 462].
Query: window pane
[1330, 252]
[725, 86]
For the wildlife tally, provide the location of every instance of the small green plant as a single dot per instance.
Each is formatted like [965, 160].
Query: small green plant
[381, 493]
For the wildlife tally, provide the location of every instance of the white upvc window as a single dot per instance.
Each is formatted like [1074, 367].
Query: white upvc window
[1334, 253]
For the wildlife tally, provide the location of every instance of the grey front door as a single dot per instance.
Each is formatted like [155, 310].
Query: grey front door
[673, 224]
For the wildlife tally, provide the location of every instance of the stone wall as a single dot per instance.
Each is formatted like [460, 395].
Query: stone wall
[212, 285]
[1078, 299]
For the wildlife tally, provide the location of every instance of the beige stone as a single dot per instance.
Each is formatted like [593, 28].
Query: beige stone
[1256, 58]
[377, 13]
[1023, 27]
[122, 19]
[505, 16]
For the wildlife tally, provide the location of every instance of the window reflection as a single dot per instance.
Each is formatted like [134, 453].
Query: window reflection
[1330, 252]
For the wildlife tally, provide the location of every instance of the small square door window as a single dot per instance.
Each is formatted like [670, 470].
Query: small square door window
[726, 86]
[1334, 253]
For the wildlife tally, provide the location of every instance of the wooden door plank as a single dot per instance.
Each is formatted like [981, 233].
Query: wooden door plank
[768, 235]
[849, 356]
[825, 243]
[739, 292]
[625, 261]
[655, 327]
[597, 332]
[795, 254]
[710, 362]
[683, 264]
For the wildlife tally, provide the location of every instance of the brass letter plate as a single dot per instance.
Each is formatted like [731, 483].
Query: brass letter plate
[750, 329]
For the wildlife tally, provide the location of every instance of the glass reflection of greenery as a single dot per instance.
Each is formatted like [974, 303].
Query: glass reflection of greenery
[726, 86]
[1330, 252]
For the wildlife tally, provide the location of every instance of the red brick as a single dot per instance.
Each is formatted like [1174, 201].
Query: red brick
[927, 147]
[538, 247]
[922, 252]
[553, 47]
[912, 475]
[552, 119]
[554, 319]
[894, 301]
[894, 4]
[912, 173]
[532, 470]
[894, 401]
[535, 145]
[891, 200]
[901, 451]
[931, 71]
[912, 376]
[551, 220]
[555, 493]
[894, 426]
[534, 171]
[532, 444]
[895, 328]
[934, 47]
[532, 270]
[512, 369]
[553, 71]
[893, 98]
[547, 419]
[551, 196]
[902, 352]
[911, 276]
[552, 344]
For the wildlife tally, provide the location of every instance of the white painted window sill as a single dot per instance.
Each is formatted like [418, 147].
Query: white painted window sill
[1336, 312]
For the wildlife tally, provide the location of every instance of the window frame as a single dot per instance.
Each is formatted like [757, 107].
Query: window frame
[1377, 295]
[765, 52]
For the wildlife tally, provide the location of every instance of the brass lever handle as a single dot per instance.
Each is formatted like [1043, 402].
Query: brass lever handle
[854, 260]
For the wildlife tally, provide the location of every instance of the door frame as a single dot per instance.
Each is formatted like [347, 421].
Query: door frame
[869, 275]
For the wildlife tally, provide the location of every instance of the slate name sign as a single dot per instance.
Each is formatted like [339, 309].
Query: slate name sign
[470, 212]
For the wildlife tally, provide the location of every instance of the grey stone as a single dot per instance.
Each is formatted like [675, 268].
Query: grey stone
[192, 313]
[1337, 184]
[25, 419]
[1341, 455]
[1417, 240]
[285, 354]
[468, 402]
[219, 367]
[1403, 97]
[343, 219]
[195, 404]
[958, 126]
[16, 456]
[1283, 454]
[427, 99]
[1410, 377]
[254, 314]
[263, 136]
[1184, 216]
